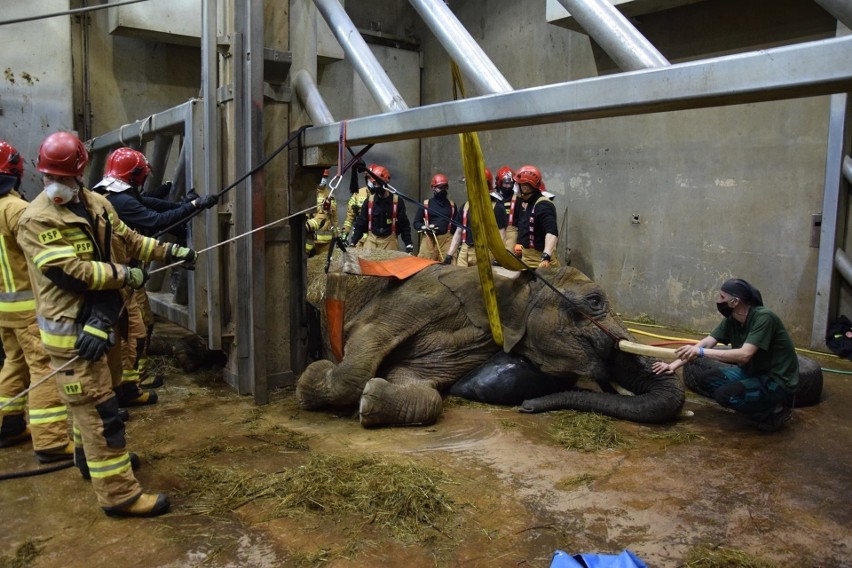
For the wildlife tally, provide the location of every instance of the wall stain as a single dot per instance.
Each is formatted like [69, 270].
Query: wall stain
[10, 76]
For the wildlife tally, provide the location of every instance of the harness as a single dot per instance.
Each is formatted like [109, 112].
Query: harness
[532, 221]
[464, 223]
[370, 214]
[452, 213]
[510, 210]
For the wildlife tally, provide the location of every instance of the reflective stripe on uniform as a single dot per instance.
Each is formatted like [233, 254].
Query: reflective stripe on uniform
[130, 376]
[17, 301]
[53, 253]
[5, 267]
[91, 330]
[17, 405]
[110, 467]
[59, 334]
[148, 245]
[76, 437]
[48, 415]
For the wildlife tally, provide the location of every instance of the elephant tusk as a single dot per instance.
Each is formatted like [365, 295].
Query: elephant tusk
[647, 350]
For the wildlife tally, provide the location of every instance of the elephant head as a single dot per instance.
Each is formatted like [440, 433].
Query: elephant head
[409, 341]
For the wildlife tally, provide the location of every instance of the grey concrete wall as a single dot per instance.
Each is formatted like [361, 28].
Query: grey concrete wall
[718, 192]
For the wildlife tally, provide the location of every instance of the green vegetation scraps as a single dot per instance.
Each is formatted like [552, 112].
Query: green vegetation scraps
[406, 498]
[586, 432]
[25, 555]
[709, 556]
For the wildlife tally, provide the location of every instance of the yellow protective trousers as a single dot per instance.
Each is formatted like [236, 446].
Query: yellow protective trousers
[26, 363]
[86, 387]
[467, 255]
[389, 242]
[134, 345]
[427, 246]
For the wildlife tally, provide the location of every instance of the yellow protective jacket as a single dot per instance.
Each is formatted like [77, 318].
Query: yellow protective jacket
[353, 208]
[17, 303]
[73, 252]
[322, 221]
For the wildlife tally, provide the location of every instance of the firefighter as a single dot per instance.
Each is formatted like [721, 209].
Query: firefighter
[535, 218]
[382, 218]
[124, 176]
[356, 202]
[462, 240]
[436, 229]
[26, 360]
[66, 235]
[508, 190]
[319, 226]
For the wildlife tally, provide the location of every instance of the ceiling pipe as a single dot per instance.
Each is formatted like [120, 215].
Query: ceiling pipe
[308, 93]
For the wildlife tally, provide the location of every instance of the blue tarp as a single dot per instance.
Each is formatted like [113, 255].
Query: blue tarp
[626, 559]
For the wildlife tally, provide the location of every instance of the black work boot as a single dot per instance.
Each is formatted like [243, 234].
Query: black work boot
[13, 430]
[129, 394]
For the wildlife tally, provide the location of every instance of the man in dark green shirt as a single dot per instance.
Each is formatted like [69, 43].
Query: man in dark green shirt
[767, 371]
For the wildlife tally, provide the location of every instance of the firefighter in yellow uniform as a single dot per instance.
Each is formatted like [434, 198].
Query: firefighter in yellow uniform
[26, 360]
[353, 209]
[66, 235]
[322, 221]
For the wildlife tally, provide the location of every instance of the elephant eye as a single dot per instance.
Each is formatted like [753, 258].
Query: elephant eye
[596, 302]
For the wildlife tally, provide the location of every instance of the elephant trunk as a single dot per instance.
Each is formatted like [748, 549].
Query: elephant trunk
[656, 398]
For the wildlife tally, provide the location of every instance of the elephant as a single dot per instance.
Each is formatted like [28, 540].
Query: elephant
[409, 341]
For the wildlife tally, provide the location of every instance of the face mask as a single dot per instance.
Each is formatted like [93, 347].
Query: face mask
[373, 187]
[60, 194]
[724, 309]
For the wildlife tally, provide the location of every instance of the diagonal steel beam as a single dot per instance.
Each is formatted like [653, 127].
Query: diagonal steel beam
[801, 70]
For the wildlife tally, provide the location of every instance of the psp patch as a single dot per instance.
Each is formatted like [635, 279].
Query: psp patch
[72, 389]
[49, 236]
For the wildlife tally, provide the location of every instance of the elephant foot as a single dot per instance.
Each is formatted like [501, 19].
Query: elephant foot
[317, 388]
[383, 403]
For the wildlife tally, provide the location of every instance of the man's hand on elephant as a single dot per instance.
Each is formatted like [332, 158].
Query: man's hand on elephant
[687, 353]
[661, 368]
[545, 260]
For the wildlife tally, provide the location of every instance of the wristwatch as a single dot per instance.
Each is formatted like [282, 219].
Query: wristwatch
[545, 256]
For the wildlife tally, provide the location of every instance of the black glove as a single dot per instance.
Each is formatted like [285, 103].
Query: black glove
[185, 255]
[206, 202]
[409, 249]
[191, 195]
[448, 259]
[361, 166]
[96, 338]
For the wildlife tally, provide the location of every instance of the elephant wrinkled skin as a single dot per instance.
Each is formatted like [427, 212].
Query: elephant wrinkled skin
[406, 342]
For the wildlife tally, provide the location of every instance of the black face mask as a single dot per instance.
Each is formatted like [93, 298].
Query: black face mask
[724, 309]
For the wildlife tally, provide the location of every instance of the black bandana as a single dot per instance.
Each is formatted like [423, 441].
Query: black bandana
[741, 289]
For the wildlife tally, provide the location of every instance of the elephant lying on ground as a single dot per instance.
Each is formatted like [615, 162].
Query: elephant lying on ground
[407, 342]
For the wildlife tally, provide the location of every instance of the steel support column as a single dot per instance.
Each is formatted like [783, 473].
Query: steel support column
[628, 48]
[360, 56]
[461, 47]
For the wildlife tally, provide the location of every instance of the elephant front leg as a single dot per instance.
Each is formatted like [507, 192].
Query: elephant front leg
[325, 384]
[409, 403]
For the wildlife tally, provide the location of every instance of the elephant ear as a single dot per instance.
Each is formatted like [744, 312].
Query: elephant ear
[513, 294]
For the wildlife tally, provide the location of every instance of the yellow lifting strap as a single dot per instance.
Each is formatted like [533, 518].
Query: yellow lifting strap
[483, 224]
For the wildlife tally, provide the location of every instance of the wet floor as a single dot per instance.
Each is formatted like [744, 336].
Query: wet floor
[783, 498]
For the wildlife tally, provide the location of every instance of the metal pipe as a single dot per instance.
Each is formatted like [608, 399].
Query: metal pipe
[628, 48]
[843, 265]
[459, 44]
[847, 169]
[362, 59]
[308, 93]
[840, 9]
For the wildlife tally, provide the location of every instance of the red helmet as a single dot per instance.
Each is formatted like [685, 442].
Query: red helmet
[11, 162]
[62, 154]
[380, 172]
[440, 179]
[530, 175]
[505, 173]
[489, 179]
[129, 166]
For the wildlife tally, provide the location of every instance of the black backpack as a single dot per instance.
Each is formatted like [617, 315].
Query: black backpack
[838, 337]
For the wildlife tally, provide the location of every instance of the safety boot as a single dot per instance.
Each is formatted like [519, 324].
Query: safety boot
[147, 505]
[13, 430]
[154, 382]
[129, 394]
[65, 452]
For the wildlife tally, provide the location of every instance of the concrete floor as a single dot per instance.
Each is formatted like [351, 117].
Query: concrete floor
[783, 498]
